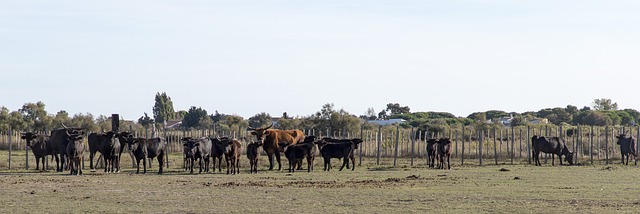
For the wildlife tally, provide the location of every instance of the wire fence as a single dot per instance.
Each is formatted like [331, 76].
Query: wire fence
[385, 146]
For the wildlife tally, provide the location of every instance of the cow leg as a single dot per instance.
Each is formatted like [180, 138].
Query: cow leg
[137, 163]
[344, 163]
[449, 162]
[270, 156]
[353, 163]
[91, 155]
[277, 154]
[160, 163]
[144, 165]
[133, 158]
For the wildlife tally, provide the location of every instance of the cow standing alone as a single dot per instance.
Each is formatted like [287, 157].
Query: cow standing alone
[627, 148]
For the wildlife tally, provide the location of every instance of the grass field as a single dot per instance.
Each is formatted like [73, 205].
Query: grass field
[369, 189]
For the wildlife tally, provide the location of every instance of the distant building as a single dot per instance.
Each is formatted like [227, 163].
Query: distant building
[386, 122]
[537, 121]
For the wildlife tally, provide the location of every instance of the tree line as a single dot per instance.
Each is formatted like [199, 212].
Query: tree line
[34, 117]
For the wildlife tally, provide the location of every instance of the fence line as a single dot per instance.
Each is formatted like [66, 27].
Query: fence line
[590, 144]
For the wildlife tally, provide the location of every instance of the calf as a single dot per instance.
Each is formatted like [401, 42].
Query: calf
[232, 150]
[75, 153]
[252, 155]
[297, 152]
[143, 148]
[40, 147]
[553, 145]
[444, 150]
[186, 159]
[198, 149]
[432, 147]
[338, 150]
[217, 151]
[627, 148]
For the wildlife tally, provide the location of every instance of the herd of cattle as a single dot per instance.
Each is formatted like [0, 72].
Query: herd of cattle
[67, 147]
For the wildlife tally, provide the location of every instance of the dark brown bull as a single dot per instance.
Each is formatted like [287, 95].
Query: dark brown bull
[40, 147]
[432, 147]
[275, 140]
[627, 148]
[148, 148]
[253, 155]
[444, 151]
[553, 145]
[75, 153]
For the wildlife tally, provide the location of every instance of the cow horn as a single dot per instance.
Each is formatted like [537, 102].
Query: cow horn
[251, 128]
[65, 127]
[67, 131]
[269, 125]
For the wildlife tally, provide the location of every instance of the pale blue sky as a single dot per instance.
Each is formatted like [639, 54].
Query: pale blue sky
[247, 57]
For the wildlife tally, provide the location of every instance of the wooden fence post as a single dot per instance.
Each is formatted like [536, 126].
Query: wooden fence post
[529, 143]
[360, 150]
[10, 138]
[513, 143]
[379, 139]
[413, 144]
[591, 145]
[495, 148]
[395, 153]
[606, 145]
[481, 141]
[462, 155]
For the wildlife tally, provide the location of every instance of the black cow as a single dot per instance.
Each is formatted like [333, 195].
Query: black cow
[333, 140]
[444, 150]
[295, 153]
[553, 145]
[40, 147]
[198, 149]
[108, 144]
[253, 155]
[432, 147]
[627, 148]
[143, 148]
[217, 151]
[338, 150]
[111, 149]
[75, 152]
[186, 159]
[58, 141]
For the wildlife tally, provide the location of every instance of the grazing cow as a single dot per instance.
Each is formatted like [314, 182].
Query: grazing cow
[338, 150]
[432, 147]
[444, 150]
[143, 148]
[39, 145]
[232, 150]
[274, 141]
[253, 155]
[217, 151]
[75, 153]
[627, 148]
[198, 149]
[553, 145]
[295, 153]
[58, 141]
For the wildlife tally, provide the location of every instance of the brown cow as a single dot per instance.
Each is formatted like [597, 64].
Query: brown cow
[275, 140]
[253, 155]
[232, 150]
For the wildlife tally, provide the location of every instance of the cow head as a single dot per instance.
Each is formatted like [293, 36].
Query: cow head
[74, 137]
[569, 158]
[190, 146]
[260, 133]
[621, 138]
[29, 137]
[355, 142]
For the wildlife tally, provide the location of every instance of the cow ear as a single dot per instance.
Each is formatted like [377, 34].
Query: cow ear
[23, 137]
[196, 144]
[231, 142]
[185, 144]
[253, 133]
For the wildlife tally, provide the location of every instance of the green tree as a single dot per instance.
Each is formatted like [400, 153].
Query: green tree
[36, 116]
[519, 121]
[597, 118]
[603, 104]
[85, 121]
[163, 108]
[60, 118]
[260, 120]
[395, 108]
[145, 121]
[196, 118]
